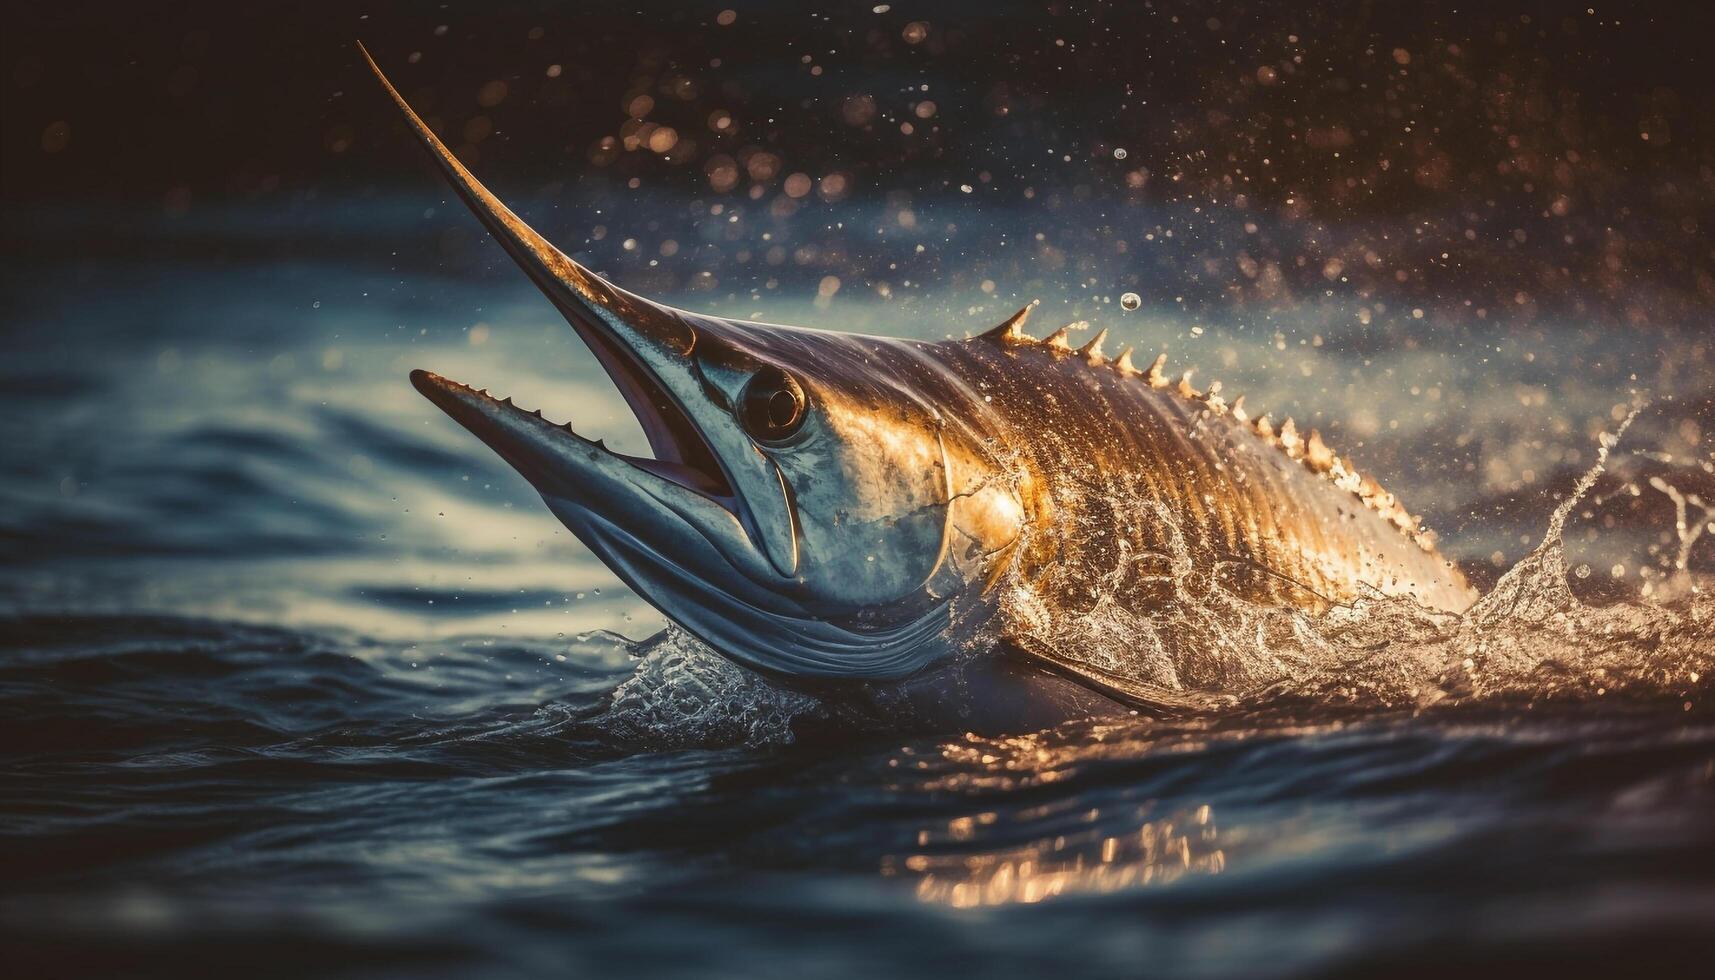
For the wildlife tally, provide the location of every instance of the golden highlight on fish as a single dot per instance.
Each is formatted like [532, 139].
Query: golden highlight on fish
[895, 523]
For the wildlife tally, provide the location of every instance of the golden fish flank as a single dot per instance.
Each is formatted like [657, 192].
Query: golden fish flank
[1312, 450]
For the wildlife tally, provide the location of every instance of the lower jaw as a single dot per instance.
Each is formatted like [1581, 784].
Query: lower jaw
[759, 629]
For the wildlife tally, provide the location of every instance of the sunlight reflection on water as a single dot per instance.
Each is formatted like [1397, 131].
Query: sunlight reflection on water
[1159, 851]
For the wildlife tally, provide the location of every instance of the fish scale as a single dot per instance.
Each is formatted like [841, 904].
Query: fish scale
[1109, 435]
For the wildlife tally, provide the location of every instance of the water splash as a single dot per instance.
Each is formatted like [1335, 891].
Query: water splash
[1529, 639]
[683, 695]
[1687, 530]
[1536, 586]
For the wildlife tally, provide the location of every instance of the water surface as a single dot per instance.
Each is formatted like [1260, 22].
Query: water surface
[295, 678]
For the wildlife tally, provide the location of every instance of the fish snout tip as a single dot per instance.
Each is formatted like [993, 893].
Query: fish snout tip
[435, 388]
[427, 381]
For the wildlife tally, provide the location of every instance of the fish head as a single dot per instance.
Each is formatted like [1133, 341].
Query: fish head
[797, 505]
[856, 458]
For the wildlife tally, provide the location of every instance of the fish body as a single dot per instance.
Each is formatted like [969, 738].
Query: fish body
[1277, 520]
[858, 514]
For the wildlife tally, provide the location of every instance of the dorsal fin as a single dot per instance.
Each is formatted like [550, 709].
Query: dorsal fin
[1346, 477]
[1092, 351]
[1317, 453]
[1289, 439]
[1011, 330]
[1213, 399]
[1154, 375]
[1124, 366]
[1314, 453]
[1310, 450]
[1059, 338]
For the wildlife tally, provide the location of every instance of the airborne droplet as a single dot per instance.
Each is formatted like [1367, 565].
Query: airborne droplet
[1130, 301]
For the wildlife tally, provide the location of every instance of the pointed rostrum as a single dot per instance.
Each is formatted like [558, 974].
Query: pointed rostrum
[627, 333]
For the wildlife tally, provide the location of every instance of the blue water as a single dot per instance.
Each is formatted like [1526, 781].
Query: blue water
[295, 678]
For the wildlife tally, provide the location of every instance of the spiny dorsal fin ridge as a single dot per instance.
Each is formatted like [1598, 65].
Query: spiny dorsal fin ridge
[1317, 455]
[1011, 330]
[1092, 351]
[1290, 440]
[1153, 374]
[1310, 449]
[1213, 399]
[1059, 339]
[1346, 477]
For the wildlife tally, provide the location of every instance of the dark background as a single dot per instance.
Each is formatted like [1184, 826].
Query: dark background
[1559, 153]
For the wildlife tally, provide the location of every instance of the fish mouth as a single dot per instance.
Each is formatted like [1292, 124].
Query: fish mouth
[649, 519]
[646, 349]
[665, 528]
[707, 528]
[530, 442]
[681, 453]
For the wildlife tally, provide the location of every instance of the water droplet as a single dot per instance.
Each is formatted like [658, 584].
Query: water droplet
[1130, 301]
[1119, 153]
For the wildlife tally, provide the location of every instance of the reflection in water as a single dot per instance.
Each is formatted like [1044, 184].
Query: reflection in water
[1076, 861]
[1072, 843]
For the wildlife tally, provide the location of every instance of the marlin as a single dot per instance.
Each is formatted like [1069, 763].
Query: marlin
[859, 515]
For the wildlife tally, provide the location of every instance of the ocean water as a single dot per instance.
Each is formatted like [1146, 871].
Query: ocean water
[296, 678]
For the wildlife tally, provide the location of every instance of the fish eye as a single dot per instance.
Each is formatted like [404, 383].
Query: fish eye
[773, 406]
